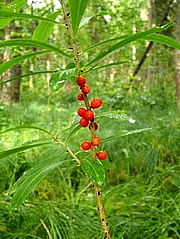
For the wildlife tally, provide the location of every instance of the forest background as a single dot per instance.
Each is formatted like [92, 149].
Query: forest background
[139, 127]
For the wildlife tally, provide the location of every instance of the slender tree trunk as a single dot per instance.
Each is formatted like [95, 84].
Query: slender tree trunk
[10, 92]
[177, 54]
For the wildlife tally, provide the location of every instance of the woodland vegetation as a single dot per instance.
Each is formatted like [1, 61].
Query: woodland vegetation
[129, 53]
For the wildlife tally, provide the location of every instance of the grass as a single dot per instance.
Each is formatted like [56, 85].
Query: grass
[141, 193]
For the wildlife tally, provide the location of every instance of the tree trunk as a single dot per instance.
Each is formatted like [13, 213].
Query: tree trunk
[177, 54]
[10, 92]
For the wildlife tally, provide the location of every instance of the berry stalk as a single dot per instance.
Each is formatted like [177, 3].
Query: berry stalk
[96, 103]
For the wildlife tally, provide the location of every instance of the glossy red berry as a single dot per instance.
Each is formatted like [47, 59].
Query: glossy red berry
[81, 80]
[88, 115]
[86, 145]
[96, 103]
[95, 126]
[80, 97]
[81, 111]
[83, 122]
[85, 89]
[102, 155]
[96, 141]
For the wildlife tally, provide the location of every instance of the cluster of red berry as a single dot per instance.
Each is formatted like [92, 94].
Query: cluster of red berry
[88, 117]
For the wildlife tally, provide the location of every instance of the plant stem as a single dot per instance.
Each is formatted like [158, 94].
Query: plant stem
[68, 149]
[92, 128]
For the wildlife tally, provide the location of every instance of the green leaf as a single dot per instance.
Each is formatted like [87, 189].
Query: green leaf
[14, 7]
[26, 75]
[25, 127]
[107, 41]
[126, 41]
[114, 114]
[107, 65]
[77, 9]
[159, 38]
[73, 132]
[6, 153]
[7, 16]
[58, 79]
[56, 82]
[122, 134]
[44, 29]
[28, 181]
[94, 169]
[32, 43]
[84, 20]
[9, 64]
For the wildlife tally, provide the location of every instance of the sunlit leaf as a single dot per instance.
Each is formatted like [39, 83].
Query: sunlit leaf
[6, 153]
[122, 134]
[77, 9]
[19, 127]
[44, 29]
[126, 41]
[94, 68]
[56, 81]
[159, 38]
[32, 43]
[28, 181]
[26, 75]
[14, 61]
[13, 7]
[94, 169]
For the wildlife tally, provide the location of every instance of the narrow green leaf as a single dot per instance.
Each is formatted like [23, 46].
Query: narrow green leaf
[14, 7]
[28, 181]
[4, 154]
[25, 127]
[107, 41]
[137, 131]
[159, 38]
[32, 43]
[107, 65]
[126, 41]
[94, 169]
[9, 16]
[114, 114]
[84, 20]
[58, 79]
[44, 29]
[9, 64]
[56, 82]
[73, 132]
[77, 9]
[26, 75]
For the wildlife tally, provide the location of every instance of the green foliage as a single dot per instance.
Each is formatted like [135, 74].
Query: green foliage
[94, 169]
[9, 64]
[77, 8]
[32, 43]
[13, 7]
[159, 38]
[44, 29]
[27, 183]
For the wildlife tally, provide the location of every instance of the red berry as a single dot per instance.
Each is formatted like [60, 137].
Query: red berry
[83, 122]
[85, 89]
[88, 115]
[80, 97]
[102, 155]
[96, 141]
[86, 145]
[81, 111]
[95, 126]
[81, 80]
[96, 103]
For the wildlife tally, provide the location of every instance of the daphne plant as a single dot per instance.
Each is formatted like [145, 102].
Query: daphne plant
[92, 164]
